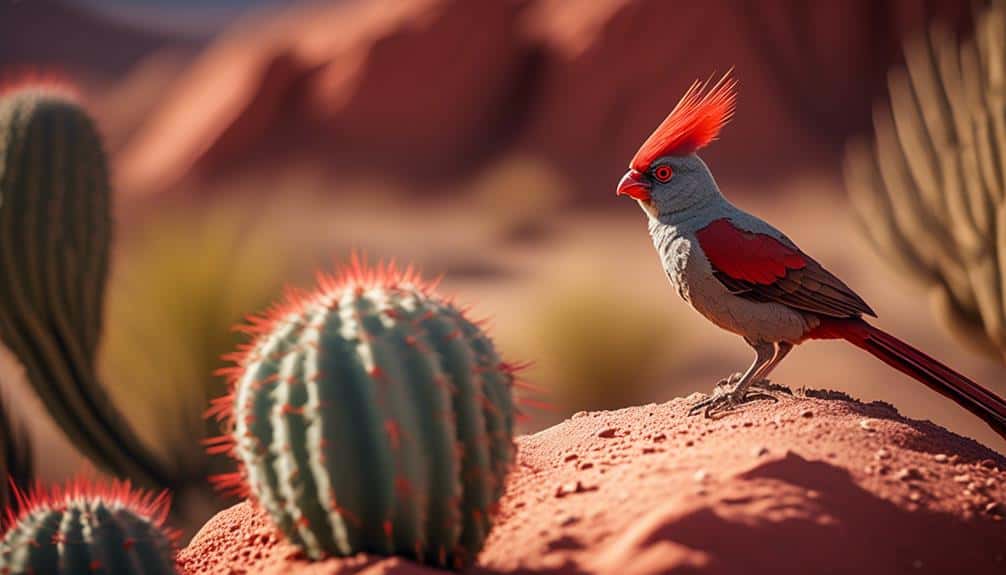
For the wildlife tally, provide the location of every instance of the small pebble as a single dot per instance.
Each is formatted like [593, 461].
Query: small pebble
[586, 465]
[571, 457]
[572, 487]
[940, 458]
[988, 464]
[963, 478]
[882, 454]
[806, 413]
[914, 496]
[995, 508]
[659, 437]
[700, 475]
[910, 474]
[568, 520]
[867, 425]
[759, 451]
[607, 433]
[689, 443]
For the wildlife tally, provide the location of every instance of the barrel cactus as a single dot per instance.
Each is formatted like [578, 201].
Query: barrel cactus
[372, 416]
[55, 228]
[88, 528]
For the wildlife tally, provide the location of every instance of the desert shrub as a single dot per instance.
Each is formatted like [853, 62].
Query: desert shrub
[179, 284]
[600, 348]
[522, 195]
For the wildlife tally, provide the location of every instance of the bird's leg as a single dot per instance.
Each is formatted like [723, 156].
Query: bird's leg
[727, 398]
[761, 380]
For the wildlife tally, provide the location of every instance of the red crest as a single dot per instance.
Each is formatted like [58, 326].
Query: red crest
[694, 122]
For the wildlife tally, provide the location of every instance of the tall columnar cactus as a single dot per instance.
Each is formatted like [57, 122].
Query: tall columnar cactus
[372, 415]
[931, 188]
[55, 225]
[88, 528]
[16, 463]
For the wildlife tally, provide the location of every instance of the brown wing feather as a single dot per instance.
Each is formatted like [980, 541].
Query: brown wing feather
[810, 288]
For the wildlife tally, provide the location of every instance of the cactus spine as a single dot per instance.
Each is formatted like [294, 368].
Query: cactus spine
[373, 416]
[55, 226]
[88, 528]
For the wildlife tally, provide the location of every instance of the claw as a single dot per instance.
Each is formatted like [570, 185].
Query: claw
[724, 398]
[730, 381]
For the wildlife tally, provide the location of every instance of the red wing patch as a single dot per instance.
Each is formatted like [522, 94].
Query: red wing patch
[747, 256]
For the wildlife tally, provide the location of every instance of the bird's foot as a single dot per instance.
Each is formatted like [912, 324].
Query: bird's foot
[726, 397]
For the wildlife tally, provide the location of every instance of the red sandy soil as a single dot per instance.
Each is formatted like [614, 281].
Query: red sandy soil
[815, 483]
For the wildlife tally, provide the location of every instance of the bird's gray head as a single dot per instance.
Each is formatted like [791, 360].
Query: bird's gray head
[670, 185]
[665, 176]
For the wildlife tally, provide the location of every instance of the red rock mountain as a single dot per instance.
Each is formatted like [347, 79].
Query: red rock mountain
[432, 88]
[427, 90]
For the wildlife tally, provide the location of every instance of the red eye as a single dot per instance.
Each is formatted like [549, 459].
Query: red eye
[662, 173]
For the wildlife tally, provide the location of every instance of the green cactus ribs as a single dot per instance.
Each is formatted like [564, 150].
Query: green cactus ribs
[371, 416]
[91, 527]
[55, 229]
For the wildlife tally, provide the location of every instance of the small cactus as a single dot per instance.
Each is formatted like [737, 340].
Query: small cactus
[55, 228]
[88, 528]
[372, 416]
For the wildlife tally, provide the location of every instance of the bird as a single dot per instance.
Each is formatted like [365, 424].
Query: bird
[749, 278]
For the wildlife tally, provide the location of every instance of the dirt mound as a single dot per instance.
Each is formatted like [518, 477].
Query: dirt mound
[814, 483]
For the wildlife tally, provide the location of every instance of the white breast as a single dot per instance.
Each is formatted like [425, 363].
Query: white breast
[690, 273]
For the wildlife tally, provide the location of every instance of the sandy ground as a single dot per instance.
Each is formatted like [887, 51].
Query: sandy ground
[807, 485]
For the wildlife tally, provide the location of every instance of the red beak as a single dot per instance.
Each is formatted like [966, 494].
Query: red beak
[635, 185]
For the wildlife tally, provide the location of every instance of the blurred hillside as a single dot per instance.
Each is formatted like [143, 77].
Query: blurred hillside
[427, 91]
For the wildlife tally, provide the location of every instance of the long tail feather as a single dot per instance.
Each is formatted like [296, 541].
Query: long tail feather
[978, 400]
